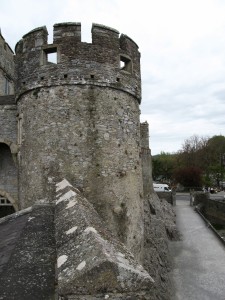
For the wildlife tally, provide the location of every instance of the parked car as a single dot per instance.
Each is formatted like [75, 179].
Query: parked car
[160, 187]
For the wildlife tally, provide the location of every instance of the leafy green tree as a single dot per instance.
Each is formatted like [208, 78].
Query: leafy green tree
[163, 166]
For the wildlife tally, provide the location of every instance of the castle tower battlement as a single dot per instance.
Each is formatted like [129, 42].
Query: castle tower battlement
[110, 60]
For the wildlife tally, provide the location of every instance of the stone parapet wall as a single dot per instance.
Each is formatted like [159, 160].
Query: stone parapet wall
[215, 212]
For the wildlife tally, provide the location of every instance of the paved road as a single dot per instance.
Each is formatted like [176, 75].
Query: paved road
[198, 259]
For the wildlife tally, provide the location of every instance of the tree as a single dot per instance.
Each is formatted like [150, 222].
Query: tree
[216, 155]
[199, 156]
[193, 151]
[189, 176]
[163, 166]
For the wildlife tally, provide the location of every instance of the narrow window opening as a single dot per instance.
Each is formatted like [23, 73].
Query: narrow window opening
[50, 56]
[92, 76]
[118, 79]
[6, 207]
[65, 75]
[125, 64]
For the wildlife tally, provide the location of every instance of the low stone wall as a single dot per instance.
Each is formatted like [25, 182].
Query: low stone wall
[213, 210]
[169, 197]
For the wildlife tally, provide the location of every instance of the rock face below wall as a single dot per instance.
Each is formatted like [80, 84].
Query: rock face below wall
[159, 228]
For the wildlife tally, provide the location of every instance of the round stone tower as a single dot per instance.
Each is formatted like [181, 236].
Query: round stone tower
[79, 119]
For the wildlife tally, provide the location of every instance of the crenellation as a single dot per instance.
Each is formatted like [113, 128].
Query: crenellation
[104, 36]
[70, 31]
[35, 33]
[76, 62]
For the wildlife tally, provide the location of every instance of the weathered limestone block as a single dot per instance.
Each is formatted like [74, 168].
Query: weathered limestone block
[90, 260]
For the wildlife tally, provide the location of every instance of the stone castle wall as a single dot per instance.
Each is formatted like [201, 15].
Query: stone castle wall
[8, 175]
[79, 119]
[6, 68]
[8, 126]
[8, 150]
[8, 120]
[146, 160]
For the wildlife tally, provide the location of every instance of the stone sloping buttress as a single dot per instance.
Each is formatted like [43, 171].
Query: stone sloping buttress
[90, 260]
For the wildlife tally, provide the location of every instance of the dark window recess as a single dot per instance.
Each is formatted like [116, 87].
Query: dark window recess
[118, 79]
[42, 78]
[125, 64]
[92, 76]
[4, 201]
[65, 75]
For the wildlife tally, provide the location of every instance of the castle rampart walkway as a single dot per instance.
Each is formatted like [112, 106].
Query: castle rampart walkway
[198, 259]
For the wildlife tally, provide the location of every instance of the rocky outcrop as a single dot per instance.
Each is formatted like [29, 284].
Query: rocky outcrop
[160, 227]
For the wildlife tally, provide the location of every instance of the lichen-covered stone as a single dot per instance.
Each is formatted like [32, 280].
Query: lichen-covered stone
[90, 259]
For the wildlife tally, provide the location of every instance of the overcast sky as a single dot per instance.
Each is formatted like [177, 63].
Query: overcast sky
[182, 45]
